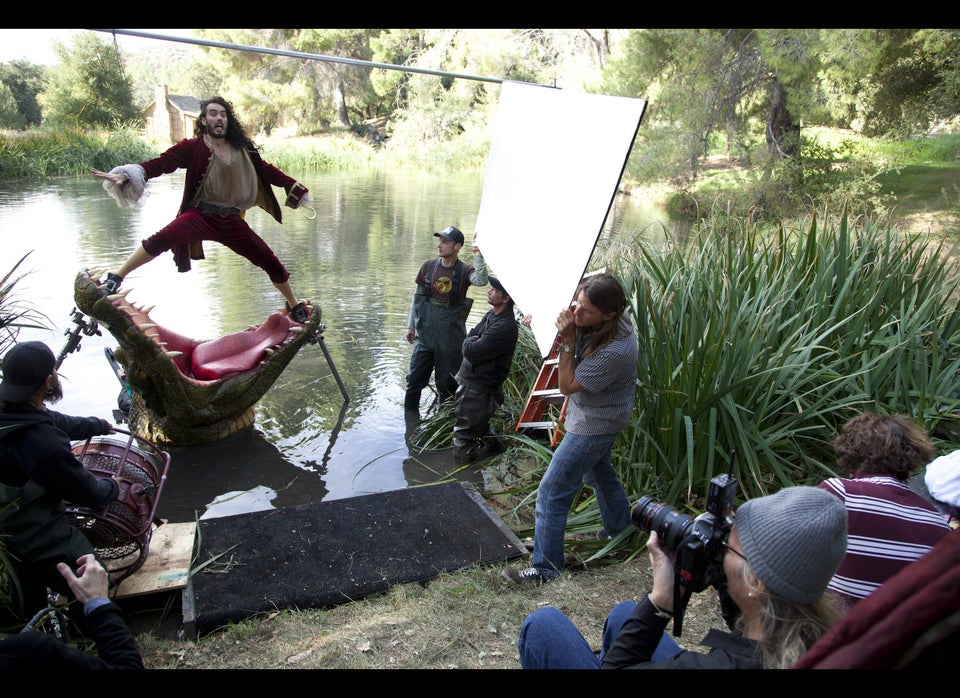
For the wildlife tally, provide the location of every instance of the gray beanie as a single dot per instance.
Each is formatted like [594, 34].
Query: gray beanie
[794, 540]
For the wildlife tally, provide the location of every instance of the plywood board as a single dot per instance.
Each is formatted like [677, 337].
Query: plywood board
[167, 565]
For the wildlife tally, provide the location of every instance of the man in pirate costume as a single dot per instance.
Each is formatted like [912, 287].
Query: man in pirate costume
[225, 177]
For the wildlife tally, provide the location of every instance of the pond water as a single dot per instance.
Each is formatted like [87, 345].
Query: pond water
[356, 260]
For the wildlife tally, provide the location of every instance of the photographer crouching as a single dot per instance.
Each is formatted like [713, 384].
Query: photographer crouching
[777, 557]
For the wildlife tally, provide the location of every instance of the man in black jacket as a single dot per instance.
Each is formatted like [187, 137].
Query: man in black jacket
[487, 357]
[38, 471]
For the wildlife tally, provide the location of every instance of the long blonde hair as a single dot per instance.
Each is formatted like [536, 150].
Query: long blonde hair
[789, 629]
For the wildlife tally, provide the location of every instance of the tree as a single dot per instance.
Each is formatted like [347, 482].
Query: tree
[88, 88]
[23, 81]
[915, 81]
[10, 117]
[184, 69]
[702, 84]
[307, 93]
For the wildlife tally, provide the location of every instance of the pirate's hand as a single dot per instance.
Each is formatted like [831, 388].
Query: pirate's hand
[118, 178]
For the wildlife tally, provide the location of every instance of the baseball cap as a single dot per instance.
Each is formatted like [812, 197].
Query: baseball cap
[495, 282]
[25, 367]
[450, 233]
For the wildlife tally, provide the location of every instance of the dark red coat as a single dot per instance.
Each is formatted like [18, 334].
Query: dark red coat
[194, 155]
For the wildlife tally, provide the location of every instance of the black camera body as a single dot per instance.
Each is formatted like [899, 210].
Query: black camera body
[698, 543]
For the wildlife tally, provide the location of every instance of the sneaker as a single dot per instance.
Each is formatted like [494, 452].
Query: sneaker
[112, 284]
[528, 575]
[298, 313]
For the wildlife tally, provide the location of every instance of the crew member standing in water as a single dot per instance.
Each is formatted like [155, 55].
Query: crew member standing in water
[438, 317]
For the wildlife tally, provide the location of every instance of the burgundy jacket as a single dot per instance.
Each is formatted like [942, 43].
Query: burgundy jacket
[909, 622]
[194, 155]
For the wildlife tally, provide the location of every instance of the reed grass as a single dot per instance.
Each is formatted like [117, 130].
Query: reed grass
[62, 153]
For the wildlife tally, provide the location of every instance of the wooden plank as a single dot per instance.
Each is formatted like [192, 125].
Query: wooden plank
[167, 565]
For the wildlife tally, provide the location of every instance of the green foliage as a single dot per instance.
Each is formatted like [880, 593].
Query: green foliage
[707, 82]
[915, 82]
[88, 88]
[10, 116]
[21, 82]
[68, 152]
[15, 312]
[318, 155]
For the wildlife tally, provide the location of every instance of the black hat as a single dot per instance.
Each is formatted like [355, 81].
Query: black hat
[495, 282]
[450, 233]
[25, 367]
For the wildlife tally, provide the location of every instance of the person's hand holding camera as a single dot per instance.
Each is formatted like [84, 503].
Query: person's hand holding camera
[661, 565]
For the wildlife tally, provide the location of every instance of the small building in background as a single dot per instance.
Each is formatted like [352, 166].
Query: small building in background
[170, 118]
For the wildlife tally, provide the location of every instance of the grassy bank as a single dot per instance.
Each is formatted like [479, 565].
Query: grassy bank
[914, 182]
[41, 154]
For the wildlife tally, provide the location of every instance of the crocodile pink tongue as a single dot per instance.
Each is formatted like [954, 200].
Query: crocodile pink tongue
[239, 351]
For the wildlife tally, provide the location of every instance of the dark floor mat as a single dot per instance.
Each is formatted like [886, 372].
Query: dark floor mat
[324, 554]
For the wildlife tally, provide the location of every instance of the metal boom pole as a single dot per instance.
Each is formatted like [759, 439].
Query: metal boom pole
[310, 56]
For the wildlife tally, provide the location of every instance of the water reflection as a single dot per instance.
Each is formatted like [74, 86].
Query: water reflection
[356, 260]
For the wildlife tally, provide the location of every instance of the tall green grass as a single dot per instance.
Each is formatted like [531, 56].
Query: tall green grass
[44, 153]
[37, 154]
[766, 343]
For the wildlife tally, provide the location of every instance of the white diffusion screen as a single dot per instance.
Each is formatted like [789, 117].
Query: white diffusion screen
[554, 165]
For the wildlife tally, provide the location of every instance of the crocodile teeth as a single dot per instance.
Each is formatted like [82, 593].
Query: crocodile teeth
[296, 328]
[173, 354]
[147, 326]
[269, 351]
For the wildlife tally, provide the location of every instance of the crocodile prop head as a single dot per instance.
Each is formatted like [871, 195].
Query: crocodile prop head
[185, 391]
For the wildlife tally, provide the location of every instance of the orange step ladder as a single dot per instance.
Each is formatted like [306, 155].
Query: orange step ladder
[540, 411]
[546, 395]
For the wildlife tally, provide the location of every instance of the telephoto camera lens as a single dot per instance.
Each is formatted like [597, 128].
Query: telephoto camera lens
[671, 526]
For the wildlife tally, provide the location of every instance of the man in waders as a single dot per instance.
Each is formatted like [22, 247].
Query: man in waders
[438, 317]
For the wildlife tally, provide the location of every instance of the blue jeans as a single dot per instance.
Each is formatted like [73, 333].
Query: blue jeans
[578, 459]
[550, 640]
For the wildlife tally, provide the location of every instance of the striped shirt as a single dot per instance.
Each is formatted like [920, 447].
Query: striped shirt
[888, 527]
[608, 378]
